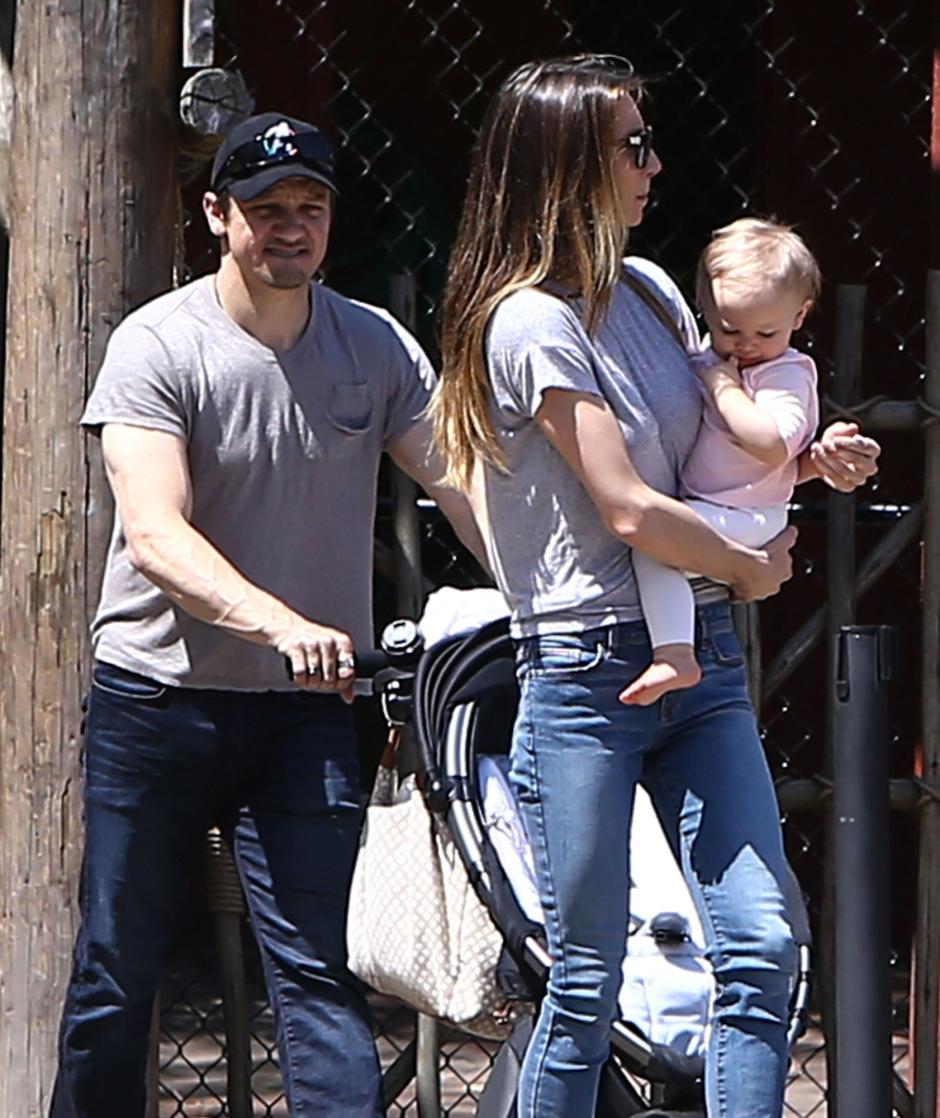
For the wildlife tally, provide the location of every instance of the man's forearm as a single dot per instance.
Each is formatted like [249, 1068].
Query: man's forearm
[194, 574]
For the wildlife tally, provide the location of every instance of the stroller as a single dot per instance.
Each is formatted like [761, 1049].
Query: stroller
[462, 701]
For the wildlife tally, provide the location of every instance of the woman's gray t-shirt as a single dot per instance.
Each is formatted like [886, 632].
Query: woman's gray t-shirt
[553, 557]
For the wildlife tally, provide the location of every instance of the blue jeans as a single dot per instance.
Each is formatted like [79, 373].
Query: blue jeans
[279, 773]
[576, 758]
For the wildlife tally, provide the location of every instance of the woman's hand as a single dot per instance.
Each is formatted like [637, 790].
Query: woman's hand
[763, 576]
[842, 457]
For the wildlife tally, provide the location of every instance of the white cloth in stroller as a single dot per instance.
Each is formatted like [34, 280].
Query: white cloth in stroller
[667, 988]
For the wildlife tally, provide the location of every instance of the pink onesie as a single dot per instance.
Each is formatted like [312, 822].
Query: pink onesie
[736, 493]
[718, 470]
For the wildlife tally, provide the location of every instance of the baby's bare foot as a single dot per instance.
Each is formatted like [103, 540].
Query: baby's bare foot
[674, 667]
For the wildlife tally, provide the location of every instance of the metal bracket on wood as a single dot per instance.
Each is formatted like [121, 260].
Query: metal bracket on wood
[198, 33]
[212, 100]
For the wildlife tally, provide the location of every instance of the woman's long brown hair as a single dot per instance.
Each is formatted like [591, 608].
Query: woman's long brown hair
[541, 205]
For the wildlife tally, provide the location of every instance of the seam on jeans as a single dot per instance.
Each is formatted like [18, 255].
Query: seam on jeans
[719, 945]
[267, 965]
[721, 1059]
[134, 696]
[271, 970]
[542, 1056]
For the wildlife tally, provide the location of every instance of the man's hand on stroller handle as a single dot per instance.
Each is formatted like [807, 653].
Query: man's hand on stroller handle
[401, 648]
[362, 665]
[318, 657]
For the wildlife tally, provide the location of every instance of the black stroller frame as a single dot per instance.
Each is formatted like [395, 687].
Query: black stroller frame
[455, 694]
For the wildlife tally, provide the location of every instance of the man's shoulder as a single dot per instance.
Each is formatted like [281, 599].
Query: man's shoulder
[374, 329]
[168, 325]
[163, 311]
[354, 315]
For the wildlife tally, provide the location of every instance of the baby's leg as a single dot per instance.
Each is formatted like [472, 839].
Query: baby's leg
[669, 611]
[751, 527]
[669, 607]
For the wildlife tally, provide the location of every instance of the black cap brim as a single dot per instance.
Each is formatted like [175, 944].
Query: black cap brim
[246, 189]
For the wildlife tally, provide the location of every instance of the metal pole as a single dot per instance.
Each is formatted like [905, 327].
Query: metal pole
[428, 1071]
[840, 547]
[864, 664]
[410, 599]
[407, 533]
[226, 903]
[747, 626]
[846, 383]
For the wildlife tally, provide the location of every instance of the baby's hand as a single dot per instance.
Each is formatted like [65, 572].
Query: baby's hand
[723, 374]
[844, 458]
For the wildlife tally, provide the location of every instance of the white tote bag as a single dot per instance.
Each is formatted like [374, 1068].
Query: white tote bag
[416, 930]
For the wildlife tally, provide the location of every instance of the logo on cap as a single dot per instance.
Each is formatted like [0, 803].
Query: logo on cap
[276, 141]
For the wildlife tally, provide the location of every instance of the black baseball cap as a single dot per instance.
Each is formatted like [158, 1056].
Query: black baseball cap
[269, 147]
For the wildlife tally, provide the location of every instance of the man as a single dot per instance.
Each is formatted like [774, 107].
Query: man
[242, 418]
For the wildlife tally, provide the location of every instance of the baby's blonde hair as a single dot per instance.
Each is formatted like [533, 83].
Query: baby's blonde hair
[759, 255]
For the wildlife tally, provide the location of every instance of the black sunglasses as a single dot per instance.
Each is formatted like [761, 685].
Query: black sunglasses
[311, 149]
[639, 144]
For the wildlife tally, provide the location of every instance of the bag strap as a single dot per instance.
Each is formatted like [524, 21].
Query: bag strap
[655, 304]
[389, 758]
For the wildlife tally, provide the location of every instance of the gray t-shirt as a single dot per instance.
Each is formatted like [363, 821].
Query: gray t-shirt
[554, 559]
[283, 450]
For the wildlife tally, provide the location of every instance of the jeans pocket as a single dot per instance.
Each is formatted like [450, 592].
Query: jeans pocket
[562, 658]
[724, 646]
[126, 685]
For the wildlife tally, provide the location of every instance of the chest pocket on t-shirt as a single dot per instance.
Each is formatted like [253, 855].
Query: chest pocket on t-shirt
[350, 416]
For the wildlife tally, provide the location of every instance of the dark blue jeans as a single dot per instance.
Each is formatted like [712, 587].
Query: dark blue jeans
[278, 772]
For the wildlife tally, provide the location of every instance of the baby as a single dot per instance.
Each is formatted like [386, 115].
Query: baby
[756, 282]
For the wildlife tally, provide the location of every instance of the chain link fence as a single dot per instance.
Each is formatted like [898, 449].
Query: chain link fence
[751, 115]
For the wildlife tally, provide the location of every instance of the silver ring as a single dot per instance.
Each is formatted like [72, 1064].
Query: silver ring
[313, 669]
[347, 661]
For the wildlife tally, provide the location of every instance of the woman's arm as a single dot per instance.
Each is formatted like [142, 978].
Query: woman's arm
[585, 432]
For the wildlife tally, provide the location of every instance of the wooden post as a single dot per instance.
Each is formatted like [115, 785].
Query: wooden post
[92, 214]
[927, 934]
[926, 984]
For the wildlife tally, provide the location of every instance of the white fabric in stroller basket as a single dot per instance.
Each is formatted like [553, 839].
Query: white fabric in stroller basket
[667, 987]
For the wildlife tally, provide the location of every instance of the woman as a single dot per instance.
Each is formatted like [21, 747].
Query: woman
[567, 406]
